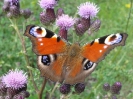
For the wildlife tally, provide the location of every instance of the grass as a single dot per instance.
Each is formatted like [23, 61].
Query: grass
[117, 66]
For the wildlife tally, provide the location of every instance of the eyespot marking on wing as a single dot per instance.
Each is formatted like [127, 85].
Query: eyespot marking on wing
[48, 59]
[38, 31]
[45, 60]
[113, 39]
[87, 64]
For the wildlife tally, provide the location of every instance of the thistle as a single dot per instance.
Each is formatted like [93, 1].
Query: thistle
[26, 13]
[12, 9]
[80, 87]
[49, 13]
[15, 79]
[59, 12]
[106, 87]
[64, 22]
[65, 88]
[116, 87]
[86, 11]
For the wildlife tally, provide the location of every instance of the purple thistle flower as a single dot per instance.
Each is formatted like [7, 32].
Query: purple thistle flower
[12, 2]
[65, 22]
[47, 4]
[88, 10]
[15, 79]
[6, 1]
[15, 2]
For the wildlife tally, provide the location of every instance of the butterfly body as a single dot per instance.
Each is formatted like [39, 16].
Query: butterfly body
[68, 63]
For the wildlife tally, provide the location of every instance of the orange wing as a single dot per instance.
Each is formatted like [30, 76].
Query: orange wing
[84, 61]
[51, 52]
[44, 41]
[97, 49]
[51, 66]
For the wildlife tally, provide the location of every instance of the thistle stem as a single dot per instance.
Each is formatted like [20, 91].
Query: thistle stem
[42, 88]
[14, 25]
[56, 85]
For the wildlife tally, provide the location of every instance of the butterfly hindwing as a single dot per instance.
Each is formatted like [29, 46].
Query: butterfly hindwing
[51, 66]
[80, 68]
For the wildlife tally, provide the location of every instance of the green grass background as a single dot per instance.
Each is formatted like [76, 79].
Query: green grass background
[117, 66]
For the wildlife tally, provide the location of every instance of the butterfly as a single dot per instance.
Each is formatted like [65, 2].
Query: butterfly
[60, 61]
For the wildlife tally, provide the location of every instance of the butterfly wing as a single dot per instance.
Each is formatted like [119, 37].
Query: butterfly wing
[89, 56]
[78, 69]
[51, 51]
[51, 66]
[45, 41]
[97, 49]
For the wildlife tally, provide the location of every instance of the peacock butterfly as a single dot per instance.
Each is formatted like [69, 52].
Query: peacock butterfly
[60, 61]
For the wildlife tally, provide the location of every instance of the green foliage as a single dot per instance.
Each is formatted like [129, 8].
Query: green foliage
[117, 66]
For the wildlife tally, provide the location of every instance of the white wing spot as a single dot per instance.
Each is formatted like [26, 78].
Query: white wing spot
[105, 46]
[100, 51]
[40, 39]
[41, 43]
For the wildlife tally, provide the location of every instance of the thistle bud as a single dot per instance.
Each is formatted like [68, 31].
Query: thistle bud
[60, 11]
[63, 33]
[94, 26]
[80, 29]
[7, 97]
[26, 13]
[2, 88]
[116, 87]
[82, 25]
[25, 94]
[15, 3]
[79, 87]
[18, 96]
[50, 14]
[14, 11]
[5, 8]
[106, 87]
[11, 92]
[44, 19]
[9, 15]
[65, 88]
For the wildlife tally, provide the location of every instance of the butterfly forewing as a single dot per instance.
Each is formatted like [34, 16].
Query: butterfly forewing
[44, 41]
[97, 49]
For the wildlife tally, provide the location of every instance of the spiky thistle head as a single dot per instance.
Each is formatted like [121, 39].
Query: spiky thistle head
[47, 4]
[88, 10]
[65, 22]
[15, 79]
